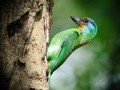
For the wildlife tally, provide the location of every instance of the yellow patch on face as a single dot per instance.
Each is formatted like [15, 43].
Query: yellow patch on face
[82, 26]
[82, 18]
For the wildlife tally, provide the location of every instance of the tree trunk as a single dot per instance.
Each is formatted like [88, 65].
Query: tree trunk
[24, 32]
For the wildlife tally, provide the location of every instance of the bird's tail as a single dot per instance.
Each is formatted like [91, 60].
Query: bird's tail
[49, 78]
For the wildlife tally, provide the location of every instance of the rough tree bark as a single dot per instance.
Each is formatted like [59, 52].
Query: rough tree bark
[24, 32]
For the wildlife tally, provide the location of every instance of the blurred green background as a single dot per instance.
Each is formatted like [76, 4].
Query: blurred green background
[95, 66]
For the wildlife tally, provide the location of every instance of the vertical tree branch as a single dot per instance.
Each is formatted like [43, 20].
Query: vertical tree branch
[24, 27]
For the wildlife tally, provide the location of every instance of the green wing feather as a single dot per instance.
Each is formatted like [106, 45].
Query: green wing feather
[61, 46]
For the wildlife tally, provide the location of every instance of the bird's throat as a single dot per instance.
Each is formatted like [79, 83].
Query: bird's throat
[81, 27]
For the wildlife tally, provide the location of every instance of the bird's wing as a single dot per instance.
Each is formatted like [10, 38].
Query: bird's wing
[66, 49]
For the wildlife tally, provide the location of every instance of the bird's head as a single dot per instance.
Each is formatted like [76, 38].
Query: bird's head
[88, 28]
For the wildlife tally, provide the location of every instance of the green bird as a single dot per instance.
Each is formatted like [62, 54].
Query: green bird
[65, 42]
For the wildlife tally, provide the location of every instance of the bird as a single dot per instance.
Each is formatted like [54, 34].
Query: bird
[67, 41]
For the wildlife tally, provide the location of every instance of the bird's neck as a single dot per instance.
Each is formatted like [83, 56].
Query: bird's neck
[86, 36]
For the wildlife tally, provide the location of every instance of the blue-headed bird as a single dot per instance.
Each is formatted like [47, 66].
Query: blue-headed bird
[65, 42]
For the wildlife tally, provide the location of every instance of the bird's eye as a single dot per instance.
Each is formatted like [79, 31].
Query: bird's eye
[86, 21]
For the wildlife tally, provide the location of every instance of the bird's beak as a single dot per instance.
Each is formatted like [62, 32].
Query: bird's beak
[78, 21]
